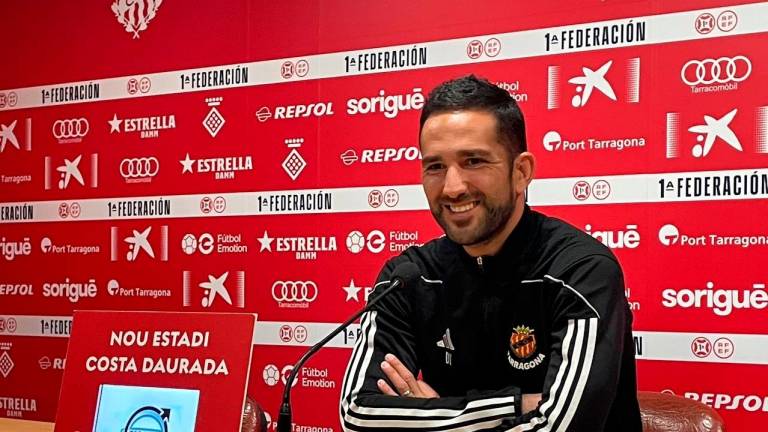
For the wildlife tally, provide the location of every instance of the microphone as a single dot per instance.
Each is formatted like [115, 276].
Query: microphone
[404, 274]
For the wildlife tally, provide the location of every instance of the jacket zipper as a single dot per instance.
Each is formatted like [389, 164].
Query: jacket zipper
[480, 263]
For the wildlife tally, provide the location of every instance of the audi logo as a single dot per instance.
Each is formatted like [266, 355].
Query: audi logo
[721, 70]
[139, 167]
[70, 128]
[294, 291]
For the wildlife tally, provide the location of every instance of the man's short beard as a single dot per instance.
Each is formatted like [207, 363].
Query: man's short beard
[493, 222]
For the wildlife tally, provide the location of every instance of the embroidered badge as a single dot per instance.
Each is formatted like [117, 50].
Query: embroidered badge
[522, 343]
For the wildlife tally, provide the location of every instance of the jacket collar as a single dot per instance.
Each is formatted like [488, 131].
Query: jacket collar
[507, 261]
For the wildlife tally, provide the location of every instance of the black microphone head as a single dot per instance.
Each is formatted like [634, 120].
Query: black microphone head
[407, 273]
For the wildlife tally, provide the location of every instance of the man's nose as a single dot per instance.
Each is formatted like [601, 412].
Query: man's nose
[455, 184]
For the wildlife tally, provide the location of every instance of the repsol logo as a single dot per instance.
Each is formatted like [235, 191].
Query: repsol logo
[751, 403]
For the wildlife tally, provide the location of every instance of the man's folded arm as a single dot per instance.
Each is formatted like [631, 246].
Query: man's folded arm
[363, 407]
[590, 319]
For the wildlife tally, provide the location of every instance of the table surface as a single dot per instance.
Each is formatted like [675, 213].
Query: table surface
[13, 425]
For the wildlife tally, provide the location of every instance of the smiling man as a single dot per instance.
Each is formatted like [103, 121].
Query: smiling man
[519, 321]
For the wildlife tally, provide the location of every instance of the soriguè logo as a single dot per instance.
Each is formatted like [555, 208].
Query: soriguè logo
[722, 301]
[389, 105]
[12, 249]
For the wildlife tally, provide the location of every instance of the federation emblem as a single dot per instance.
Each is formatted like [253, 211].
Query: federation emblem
[135, 15]
[522, 343]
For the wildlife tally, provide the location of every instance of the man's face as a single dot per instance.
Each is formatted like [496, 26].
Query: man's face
[466, 174]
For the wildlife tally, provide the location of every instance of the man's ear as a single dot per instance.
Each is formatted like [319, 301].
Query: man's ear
[524, 171]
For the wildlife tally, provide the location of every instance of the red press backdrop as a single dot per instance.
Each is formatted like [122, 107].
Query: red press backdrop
[148, 147]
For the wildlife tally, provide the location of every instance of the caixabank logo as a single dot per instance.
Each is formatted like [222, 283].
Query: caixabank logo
[714, 133]
[139, 244]
[72, 171]
[602, 80]
[209, 290]
[9, 136]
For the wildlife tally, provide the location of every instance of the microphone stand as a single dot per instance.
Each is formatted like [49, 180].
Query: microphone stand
[284, 418]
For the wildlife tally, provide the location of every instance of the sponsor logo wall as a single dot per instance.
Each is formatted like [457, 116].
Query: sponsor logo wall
[282, 186]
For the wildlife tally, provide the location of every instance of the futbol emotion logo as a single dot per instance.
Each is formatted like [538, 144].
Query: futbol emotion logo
[190, 244]
[374, 241]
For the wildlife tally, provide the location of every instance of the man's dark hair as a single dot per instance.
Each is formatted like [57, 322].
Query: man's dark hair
[472, 93]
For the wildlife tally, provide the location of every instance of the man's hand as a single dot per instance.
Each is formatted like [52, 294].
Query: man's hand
[530, 402]
[405, 383]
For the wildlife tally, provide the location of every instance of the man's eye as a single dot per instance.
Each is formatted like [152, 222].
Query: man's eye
[474, 161]
[433, 167]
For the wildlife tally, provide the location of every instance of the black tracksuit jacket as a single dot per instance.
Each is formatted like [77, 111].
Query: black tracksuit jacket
[547, 314]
